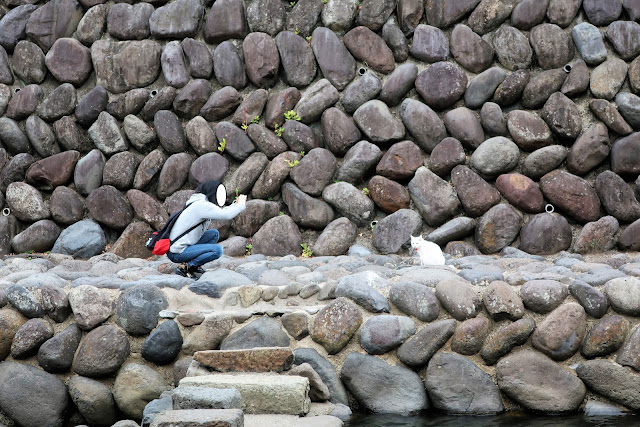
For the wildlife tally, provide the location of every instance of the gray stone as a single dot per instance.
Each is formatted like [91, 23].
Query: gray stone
[483, 86]
[429, 44]
[26, 202]
[441, 85]
[305, 210]
[90, 306]
[598, 236]
[540, 87]
[20, 384]
[470, 50]
[442, 13]
[422, 123]
[404, 393]
[209, 334]
[605, 337]
[228, 66]
[589, 150]
[56, 354]
[350, 202]
[400, 82]
[336, 238]
[83, 239]
[360, 91]
[561, 333]
[138, 307]
[612, 381]
[394, 231]
[226, 20]
[589, 43]
[28, 63]
[91, 26]
[296, 56]
[629, 355]
[381, 334]
[279, 236]
[543, 160]
[41, 136]
[463, 124]
[419, 349]
[435, 199]
[335, 61]
[495, 156]
[24, 102]
[609, 114]
[624, 294]
[94, 401]
[528, 130]
[13, 25]
[317, 98]
[537, 383]
[102, 352]
[624, 35]
[205, 398]
[546, 234]
[163, 344]
[473, 393]
[135, 386]
[562, 116]
[121, 66]
[543, 296]
[363, 294]
[174, 67]
[38, 237]
[377, 122]
[29, 337]
[395, 39]
[178, 19]
[577, 81]
[497, 228]
[126, 22]
[263, 332]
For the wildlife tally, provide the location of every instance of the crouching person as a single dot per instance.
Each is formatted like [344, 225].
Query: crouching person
[199, 246]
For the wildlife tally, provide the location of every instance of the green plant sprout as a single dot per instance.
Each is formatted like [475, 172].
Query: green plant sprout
[256, 119]
[281, 213]
[248, 248]
[324, 1]
[292, 3]
[306, 250]
[308, 39]
[223, 145]
[292, 163]
[237, 194]
[292, 115]
[296, 32]
[365, 191]
[244, 127]
[302, 154]
[279, 130]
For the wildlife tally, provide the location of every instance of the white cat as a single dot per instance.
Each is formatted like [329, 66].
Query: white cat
[429, 252]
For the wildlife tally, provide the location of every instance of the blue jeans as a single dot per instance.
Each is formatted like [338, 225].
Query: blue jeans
[202, 252]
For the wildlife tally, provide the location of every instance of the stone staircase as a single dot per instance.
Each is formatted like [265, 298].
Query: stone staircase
[235, 388]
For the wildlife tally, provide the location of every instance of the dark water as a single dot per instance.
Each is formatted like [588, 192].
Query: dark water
[505, 420]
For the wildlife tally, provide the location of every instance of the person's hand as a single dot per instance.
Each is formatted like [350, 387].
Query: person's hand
[242, 199]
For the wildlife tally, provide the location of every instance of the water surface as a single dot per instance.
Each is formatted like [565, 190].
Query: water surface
[504, 420]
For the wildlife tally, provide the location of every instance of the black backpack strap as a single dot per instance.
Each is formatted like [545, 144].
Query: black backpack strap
[186, 232]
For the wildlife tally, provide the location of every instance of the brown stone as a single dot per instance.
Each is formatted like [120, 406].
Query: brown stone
[598, 236]
[553, 46]
[261, 59]
[528, 130]
[132, 241]
[10, 322]
[469, 336]
[400, 161]
[470, 50]
[445, 156]
[561, 333]
[368, 47]
[608, 113]
[506, 338]
[502, 301]
[266, 359]
[335, 324]
[390, 196]
[589, 150]
[629, 240]
[477, 196]
[546, 234]
[630, 353]
[606, 337]
[521, 191]
[572, 195]
[278, 104]
[497, 228]
[53, 171]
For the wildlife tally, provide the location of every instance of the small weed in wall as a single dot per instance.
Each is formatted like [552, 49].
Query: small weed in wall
[223, 145]
[306, 250]
[279, 130]
[248, 247]
[292, 115]
[292, 163]
[365, 191]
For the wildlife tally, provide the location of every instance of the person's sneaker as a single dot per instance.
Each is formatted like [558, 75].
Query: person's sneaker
[184, 272]
[196, 269]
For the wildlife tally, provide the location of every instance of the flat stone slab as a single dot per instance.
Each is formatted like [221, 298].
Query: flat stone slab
[291, 421]
[267, 359]
[263, 393]
[200, 418]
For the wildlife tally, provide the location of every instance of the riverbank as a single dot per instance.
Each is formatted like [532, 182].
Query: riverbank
[375, 333]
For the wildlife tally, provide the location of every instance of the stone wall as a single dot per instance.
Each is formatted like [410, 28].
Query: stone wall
[98, 340]
[330, 114]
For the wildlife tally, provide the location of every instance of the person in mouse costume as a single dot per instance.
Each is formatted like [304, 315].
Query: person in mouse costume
[200, 245]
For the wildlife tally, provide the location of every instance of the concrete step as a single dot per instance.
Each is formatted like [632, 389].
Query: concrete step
[206, 398]
[291, 421]
[200, 418]
[262, 393]
[266, 359]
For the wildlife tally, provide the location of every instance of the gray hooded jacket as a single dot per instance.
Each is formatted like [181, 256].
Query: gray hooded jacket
[200, 209]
